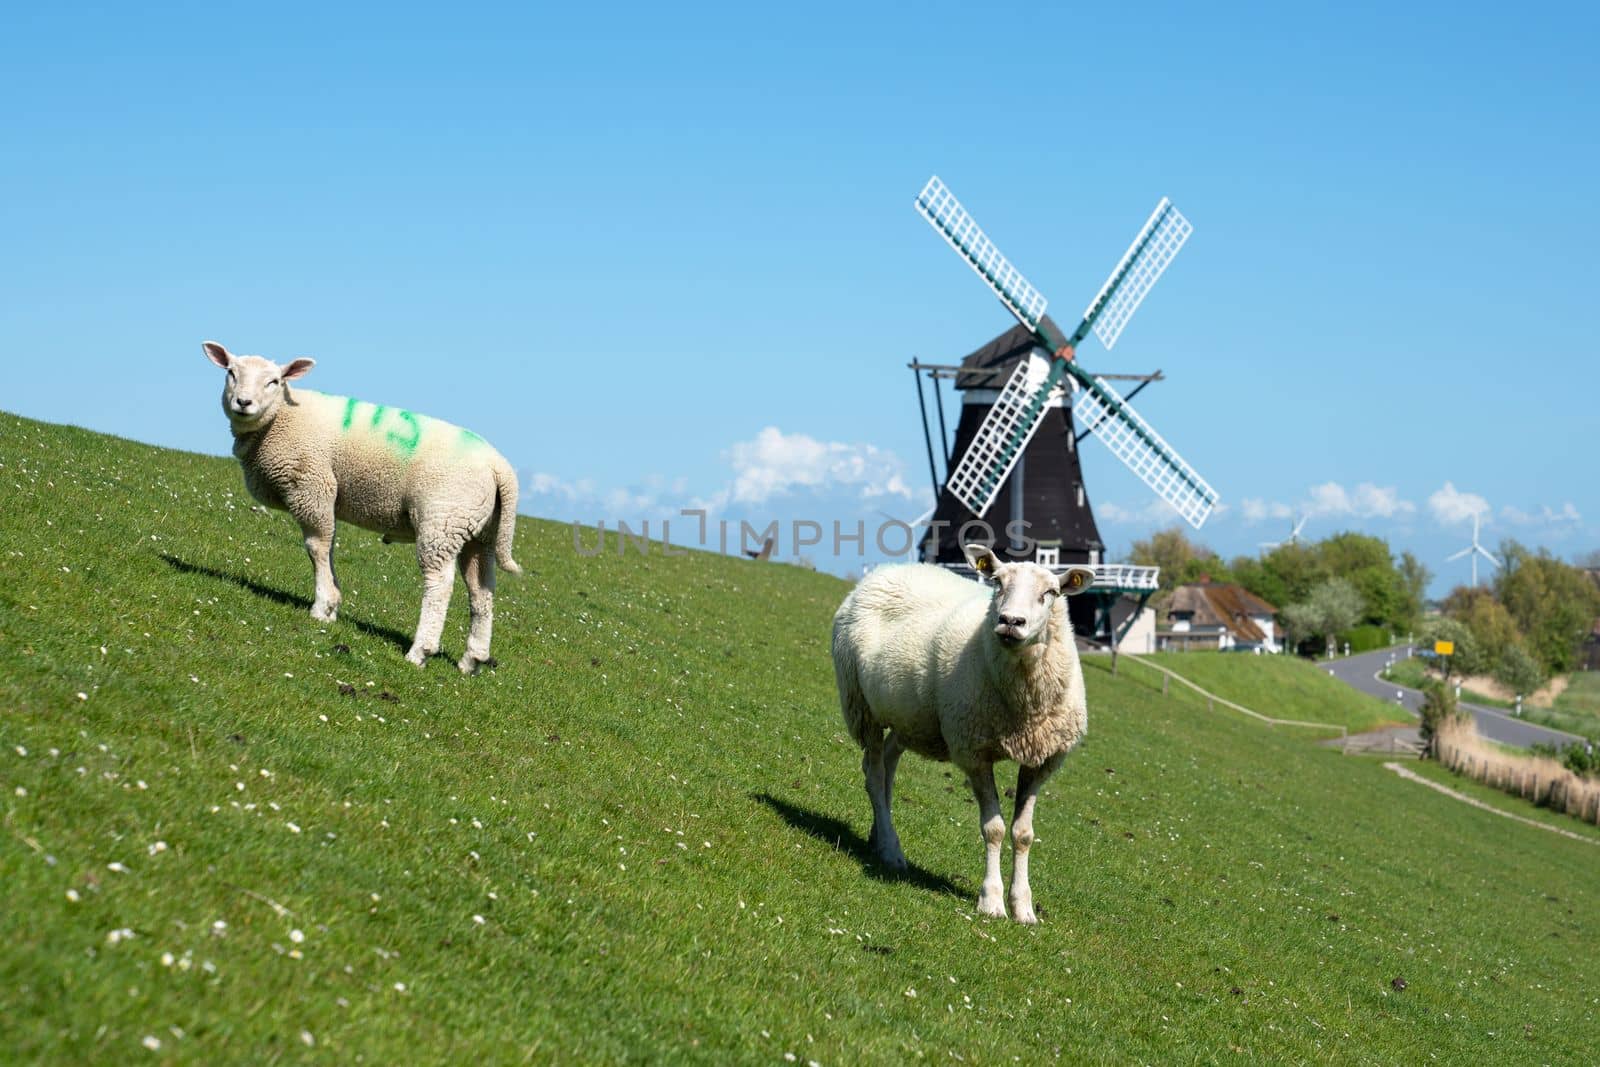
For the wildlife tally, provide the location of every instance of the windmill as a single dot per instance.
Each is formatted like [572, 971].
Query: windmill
[1473, 551]
[998, 444]
[1294, 535]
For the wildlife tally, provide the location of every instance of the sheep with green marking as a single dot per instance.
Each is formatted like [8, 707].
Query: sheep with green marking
[409, 477]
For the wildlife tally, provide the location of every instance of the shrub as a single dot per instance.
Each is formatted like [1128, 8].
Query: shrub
[1365, 638]
[1439, 710]
[1518, 670]
[1582, 759]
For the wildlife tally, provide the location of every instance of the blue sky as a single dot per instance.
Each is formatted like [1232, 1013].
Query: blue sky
[665, 256]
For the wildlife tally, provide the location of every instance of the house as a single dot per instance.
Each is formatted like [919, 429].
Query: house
[1217, 616]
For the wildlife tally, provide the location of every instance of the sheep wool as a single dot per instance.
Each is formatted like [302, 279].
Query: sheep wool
[957, 672]
[409, 477]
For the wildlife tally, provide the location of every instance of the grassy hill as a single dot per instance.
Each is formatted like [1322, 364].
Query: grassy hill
[249, 837]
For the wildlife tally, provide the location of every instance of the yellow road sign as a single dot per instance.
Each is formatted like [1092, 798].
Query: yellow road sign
[1444, 648]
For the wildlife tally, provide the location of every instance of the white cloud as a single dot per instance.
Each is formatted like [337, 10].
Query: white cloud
[555, 497]
[774, 463]
[1256, 510]
[1154, 510]
[1365, 501]
[1565, 515]
[1450, 505]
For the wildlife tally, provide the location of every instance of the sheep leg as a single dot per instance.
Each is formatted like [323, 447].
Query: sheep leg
[883, 840]
[1029, 779]
[318, 534]
[437, 559]
[991, 902]
[892, 751]
[476, 563]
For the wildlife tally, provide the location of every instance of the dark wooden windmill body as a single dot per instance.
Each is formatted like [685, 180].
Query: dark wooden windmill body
[1042, 512]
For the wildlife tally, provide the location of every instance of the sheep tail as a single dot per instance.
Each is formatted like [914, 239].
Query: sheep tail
[505, 482]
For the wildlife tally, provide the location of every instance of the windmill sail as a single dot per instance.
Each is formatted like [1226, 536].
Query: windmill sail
[1131, 280]
[1011, 424]
[1137, 444]
[944, 213]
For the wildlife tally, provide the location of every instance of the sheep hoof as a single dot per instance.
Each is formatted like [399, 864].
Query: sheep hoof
[324, 613]
[894, 861]
[468, 664]
[1023, 913]
[417, 656]
[992, 907]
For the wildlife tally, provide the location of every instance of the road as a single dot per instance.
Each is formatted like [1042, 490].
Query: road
[1362, 672]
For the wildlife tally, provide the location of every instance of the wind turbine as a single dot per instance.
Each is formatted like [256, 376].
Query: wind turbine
[1294, 535]
[1474, 550]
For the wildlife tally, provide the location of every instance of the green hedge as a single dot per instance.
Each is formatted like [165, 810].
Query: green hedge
[1365, 638]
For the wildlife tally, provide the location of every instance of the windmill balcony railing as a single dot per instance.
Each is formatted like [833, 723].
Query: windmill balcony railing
[1126, 576]
[1108, 577]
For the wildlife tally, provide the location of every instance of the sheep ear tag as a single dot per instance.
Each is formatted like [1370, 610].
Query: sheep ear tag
[1075, 581]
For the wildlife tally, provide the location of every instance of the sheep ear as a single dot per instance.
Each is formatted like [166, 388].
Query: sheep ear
[216, 353]
[983, 560]
[298, 368]
[1074, 580]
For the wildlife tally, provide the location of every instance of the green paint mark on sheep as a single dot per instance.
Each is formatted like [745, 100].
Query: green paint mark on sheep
[471, 440]
[406, 443]
[349, 411]
[377, 414]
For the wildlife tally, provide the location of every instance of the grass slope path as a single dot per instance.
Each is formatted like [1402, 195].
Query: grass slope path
[233, 835]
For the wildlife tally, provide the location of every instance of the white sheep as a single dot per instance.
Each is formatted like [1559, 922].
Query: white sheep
[408, 477]
[955, 673]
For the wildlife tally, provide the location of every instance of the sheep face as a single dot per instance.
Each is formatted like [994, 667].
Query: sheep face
[255, 386]
[1025, 595]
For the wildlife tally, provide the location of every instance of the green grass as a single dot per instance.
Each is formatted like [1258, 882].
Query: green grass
[653, 808]
[1500, 799]
[1578, 706]
[1284, 687]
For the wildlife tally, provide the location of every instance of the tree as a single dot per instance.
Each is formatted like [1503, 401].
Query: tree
[1491, 624]
[1415, 576]
[1517, 670]
[1181, 560]
[1333, 605]
[1553, 605]
[1337, 605]
[1298, 568]
[1299, 624]
[1467, 658]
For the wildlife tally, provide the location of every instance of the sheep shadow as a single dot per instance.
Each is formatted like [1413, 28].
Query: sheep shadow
[279, 596]
[838, 834]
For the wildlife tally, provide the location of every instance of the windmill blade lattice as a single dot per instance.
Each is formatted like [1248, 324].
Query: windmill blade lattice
[944, 213]
[1133, 441]
[1017, 414]
[1140, 267]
